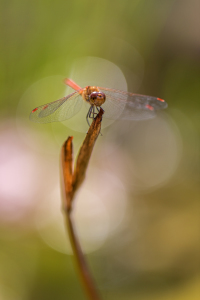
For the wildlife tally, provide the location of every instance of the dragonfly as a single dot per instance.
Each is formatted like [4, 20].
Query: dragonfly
[116, 104]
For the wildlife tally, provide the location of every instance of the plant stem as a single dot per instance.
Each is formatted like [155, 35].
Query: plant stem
[83, 269]
[71, 181]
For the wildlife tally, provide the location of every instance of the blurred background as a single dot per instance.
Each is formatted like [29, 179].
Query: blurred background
[138, 212]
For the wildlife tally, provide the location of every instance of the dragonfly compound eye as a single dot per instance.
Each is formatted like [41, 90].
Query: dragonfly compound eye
[97, 98]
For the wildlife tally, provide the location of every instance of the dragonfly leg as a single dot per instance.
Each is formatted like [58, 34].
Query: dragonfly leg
[91, 112]
[94, 113]
[98, 109]
[88, 115]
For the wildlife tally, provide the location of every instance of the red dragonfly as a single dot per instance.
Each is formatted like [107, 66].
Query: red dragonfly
[116, 104]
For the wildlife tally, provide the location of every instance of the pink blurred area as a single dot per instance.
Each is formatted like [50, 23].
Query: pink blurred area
[26, 176]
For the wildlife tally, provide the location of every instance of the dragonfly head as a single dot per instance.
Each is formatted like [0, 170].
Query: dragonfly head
[97, 98]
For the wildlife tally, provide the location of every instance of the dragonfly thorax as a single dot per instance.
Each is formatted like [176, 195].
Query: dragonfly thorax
[92, 95]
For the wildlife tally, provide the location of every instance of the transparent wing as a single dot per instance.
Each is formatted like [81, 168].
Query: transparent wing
[59, 110]
[124, 105]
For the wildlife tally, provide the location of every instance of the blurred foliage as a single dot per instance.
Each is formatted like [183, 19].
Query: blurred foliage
[154, 253]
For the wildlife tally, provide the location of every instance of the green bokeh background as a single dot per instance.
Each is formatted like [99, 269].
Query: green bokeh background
[43, 38]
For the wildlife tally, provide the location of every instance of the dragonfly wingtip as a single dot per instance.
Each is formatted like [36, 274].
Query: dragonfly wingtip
[35, 109]
[159, 99]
